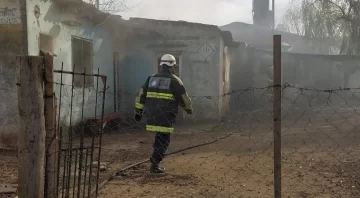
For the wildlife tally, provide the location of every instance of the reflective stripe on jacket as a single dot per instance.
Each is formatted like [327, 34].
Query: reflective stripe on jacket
[160, 96]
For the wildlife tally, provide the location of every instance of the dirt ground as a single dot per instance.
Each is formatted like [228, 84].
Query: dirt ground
[8, 169]
[320, 158]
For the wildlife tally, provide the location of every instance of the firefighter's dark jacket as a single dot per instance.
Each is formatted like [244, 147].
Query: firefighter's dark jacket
[161, 95]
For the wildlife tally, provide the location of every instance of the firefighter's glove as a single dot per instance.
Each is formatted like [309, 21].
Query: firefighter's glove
[188, 111]
[138, 117]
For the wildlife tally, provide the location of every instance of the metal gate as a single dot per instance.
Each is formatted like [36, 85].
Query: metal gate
[79, 96]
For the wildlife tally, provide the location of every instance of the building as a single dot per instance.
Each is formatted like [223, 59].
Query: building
[262, 38]
[78, 35]
[202, 53]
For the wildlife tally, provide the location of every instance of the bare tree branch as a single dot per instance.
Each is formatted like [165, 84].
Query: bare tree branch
[337, 20]
[114, 6]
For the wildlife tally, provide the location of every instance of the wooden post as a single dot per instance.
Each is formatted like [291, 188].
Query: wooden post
[277, 115]
[31, 145]
[24, 36]
[51, 138]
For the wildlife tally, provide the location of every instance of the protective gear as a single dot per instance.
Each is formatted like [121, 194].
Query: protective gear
[162, 94]
[155, 168]
[138, 117]
[161, 143]
[188, 111]
[168, 60]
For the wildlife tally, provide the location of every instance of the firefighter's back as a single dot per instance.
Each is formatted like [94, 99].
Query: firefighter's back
[161, 106]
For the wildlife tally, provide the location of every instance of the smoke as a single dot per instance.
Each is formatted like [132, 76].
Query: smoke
[218, 12]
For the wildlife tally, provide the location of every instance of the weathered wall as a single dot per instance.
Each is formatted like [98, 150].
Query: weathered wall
[10, 27]
[321, 72]
[10, 45]
[10, 12]
[8, 94]
[201, 76]
[49, 22]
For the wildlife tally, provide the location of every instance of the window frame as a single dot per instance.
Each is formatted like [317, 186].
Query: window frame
[78, 79]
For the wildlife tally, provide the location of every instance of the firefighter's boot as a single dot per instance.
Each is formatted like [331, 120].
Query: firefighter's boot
[154, 168]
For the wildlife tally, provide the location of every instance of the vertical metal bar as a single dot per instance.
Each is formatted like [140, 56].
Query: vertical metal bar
[101, 133]
[82, 135]
[74, 182]
[64, 168]
[59, 129]
[86, 160]
[97, 4]
[70, 134]
[115, 55]
[273, 17]
[93, 134]
[277, 115]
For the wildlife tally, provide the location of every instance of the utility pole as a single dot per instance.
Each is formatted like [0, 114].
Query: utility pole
[273, 10]
[97, 4]
[277, 115]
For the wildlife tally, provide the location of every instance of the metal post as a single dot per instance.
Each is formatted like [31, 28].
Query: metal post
[273, 9]
[277, 115]
[59, 131]
[82, 136]
[104, 79]
[93, 134]
[97, 4]
[70, 141]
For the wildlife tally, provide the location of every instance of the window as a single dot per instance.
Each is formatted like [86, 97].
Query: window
[177, 66]
[82, 57]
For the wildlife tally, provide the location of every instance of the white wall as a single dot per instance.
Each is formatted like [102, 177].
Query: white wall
[49, 23]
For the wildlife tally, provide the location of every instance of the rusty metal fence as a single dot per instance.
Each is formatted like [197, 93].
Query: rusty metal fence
[226, 148]
[79, 141]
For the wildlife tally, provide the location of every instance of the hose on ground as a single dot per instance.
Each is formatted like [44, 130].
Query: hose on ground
[148, 160]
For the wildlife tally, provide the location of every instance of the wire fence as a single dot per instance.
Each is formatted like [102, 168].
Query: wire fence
[229, 152]
[224, 149]
[80, 97]
[233, 156]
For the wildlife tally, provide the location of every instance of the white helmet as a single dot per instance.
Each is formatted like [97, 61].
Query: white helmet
[168, 60]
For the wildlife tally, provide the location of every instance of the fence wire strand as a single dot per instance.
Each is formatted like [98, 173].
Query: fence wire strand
[233, 155]
[224, 149]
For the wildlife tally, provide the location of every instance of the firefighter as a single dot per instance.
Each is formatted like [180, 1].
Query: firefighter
[162, 93]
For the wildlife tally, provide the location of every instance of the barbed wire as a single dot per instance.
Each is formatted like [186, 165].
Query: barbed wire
[237, 149]
[230, 155]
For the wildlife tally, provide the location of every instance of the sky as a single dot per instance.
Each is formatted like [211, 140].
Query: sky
[217, 12]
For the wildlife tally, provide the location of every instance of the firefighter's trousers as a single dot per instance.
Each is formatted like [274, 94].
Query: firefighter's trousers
[161, 143]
